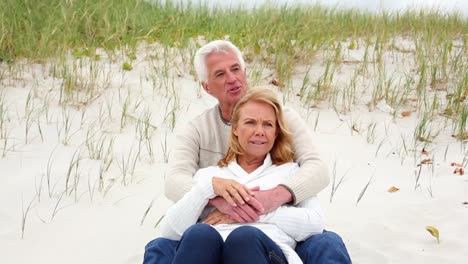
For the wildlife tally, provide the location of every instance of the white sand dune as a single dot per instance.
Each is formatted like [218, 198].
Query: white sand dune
[100, 217]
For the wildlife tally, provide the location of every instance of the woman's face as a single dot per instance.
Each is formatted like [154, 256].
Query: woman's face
[256, 129]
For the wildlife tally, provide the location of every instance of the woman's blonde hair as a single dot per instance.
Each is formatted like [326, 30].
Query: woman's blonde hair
[282, 148]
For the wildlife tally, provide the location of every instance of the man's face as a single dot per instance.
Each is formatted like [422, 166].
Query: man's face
[227, 81]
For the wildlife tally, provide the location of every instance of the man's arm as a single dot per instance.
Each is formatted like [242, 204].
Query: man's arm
[312, 176]
[183, 163]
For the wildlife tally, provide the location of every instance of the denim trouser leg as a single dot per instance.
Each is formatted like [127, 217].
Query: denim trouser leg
[325, 248]
[160, 251]
[202, 244]
[247, 244]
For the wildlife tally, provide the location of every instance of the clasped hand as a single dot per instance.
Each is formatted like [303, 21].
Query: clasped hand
[235, 200]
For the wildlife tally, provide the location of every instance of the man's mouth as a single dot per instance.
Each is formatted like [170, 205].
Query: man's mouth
[234, 89]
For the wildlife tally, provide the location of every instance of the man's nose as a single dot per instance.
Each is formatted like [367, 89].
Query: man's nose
[230, 77]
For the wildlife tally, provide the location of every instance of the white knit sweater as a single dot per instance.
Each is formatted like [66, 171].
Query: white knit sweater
[205, 141]
[286, 225]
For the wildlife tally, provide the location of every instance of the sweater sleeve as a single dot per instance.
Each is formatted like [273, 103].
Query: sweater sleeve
[300, 222]
[187, 210]
[312, 177]
[183, 163]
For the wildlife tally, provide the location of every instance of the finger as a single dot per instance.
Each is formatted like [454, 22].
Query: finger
[210, 218]
[236, 217]
[237, 197]
[225, 220]
[228, 199]
[245, 192]
[255, 204]
[241, 213]
[250, 212]
[209, 221]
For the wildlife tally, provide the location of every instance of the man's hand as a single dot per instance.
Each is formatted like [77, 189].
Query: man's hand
[248, 212]
[232, 191]
[217, 218]
[273, 198]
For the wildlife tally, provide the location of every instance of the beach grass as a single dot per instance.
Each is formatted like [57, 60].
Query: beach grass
[41, 29]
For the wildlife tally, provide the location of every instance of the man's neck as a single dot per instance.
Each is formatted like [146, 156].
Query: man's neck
[226, 112]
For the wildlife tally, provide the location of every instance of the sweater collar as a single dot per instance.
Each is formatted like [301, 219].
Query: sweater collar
[237, 170]
[220, 115]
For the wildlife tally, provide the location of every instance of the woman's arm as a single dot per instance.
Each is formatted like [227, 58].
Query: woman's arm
[300, 222]
[187, 210]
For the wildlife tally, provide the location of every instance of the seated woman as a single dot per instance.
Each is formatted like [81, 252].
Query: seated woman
[259, 156]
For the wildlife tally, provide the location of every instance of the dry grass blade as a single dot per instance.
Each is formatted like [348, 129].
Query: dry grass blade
[364, 190]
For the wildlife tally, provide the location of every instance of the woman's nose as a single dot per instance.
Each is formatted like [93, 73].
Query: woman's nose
[259, 131]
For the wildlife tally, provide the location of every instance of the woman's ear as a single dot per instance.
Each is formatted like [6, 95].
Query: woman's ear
[234, 130]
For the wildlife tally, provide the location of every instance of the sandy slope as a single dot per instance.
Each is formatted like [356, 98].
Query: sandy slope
[88, 224]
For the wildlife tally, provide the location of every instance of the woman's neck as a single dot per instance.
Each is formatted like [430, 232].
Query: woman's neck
[250, 164]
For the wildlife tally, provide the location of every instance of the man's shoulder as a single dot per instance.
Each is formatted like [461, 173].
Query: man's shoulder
[207, 115]
[212, 111]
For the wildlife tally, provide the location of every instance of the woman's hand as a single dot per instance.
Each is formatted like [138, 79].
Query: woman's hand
[217, 218]
[232, 191]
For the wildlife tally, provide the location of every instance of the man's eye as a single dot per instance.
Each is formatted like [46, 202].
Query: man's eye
[219, 74]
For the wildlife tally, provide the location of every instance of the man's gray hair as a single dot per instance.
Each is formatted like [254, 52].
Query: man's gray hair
[212, 47]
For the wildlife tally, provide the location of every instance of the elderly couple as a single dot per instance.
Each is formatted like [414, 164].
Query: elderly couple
[243, 177]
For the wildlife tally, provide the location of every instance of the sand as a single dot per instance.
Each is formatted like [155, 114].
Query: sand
[110, 220]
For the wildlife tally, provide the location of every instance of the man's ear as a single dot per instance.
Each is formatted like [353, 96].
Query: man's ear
[205, 87]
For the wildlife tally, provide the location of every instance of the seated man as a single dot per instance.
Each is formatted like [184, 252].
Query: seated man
[221, 70]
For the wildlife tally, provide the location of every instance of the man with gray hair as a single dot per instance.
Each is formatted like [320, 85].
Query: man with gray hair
[222, 72]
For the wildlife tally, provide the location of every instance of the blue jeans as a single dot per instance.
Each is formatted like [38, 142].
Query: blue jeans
[245, 244]
[201, 243]
[327, 247]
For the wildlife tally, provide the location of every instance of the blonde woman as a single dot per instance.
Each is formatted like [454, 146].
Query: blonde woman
[260, 156]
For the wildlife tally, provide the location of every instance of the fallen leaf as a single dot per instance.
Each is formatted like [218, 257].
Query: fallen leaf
[393, 189]
[434, 232]
[426, 161]
[459, 170]
[456, 164]
[405, 113]
[275, 82]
